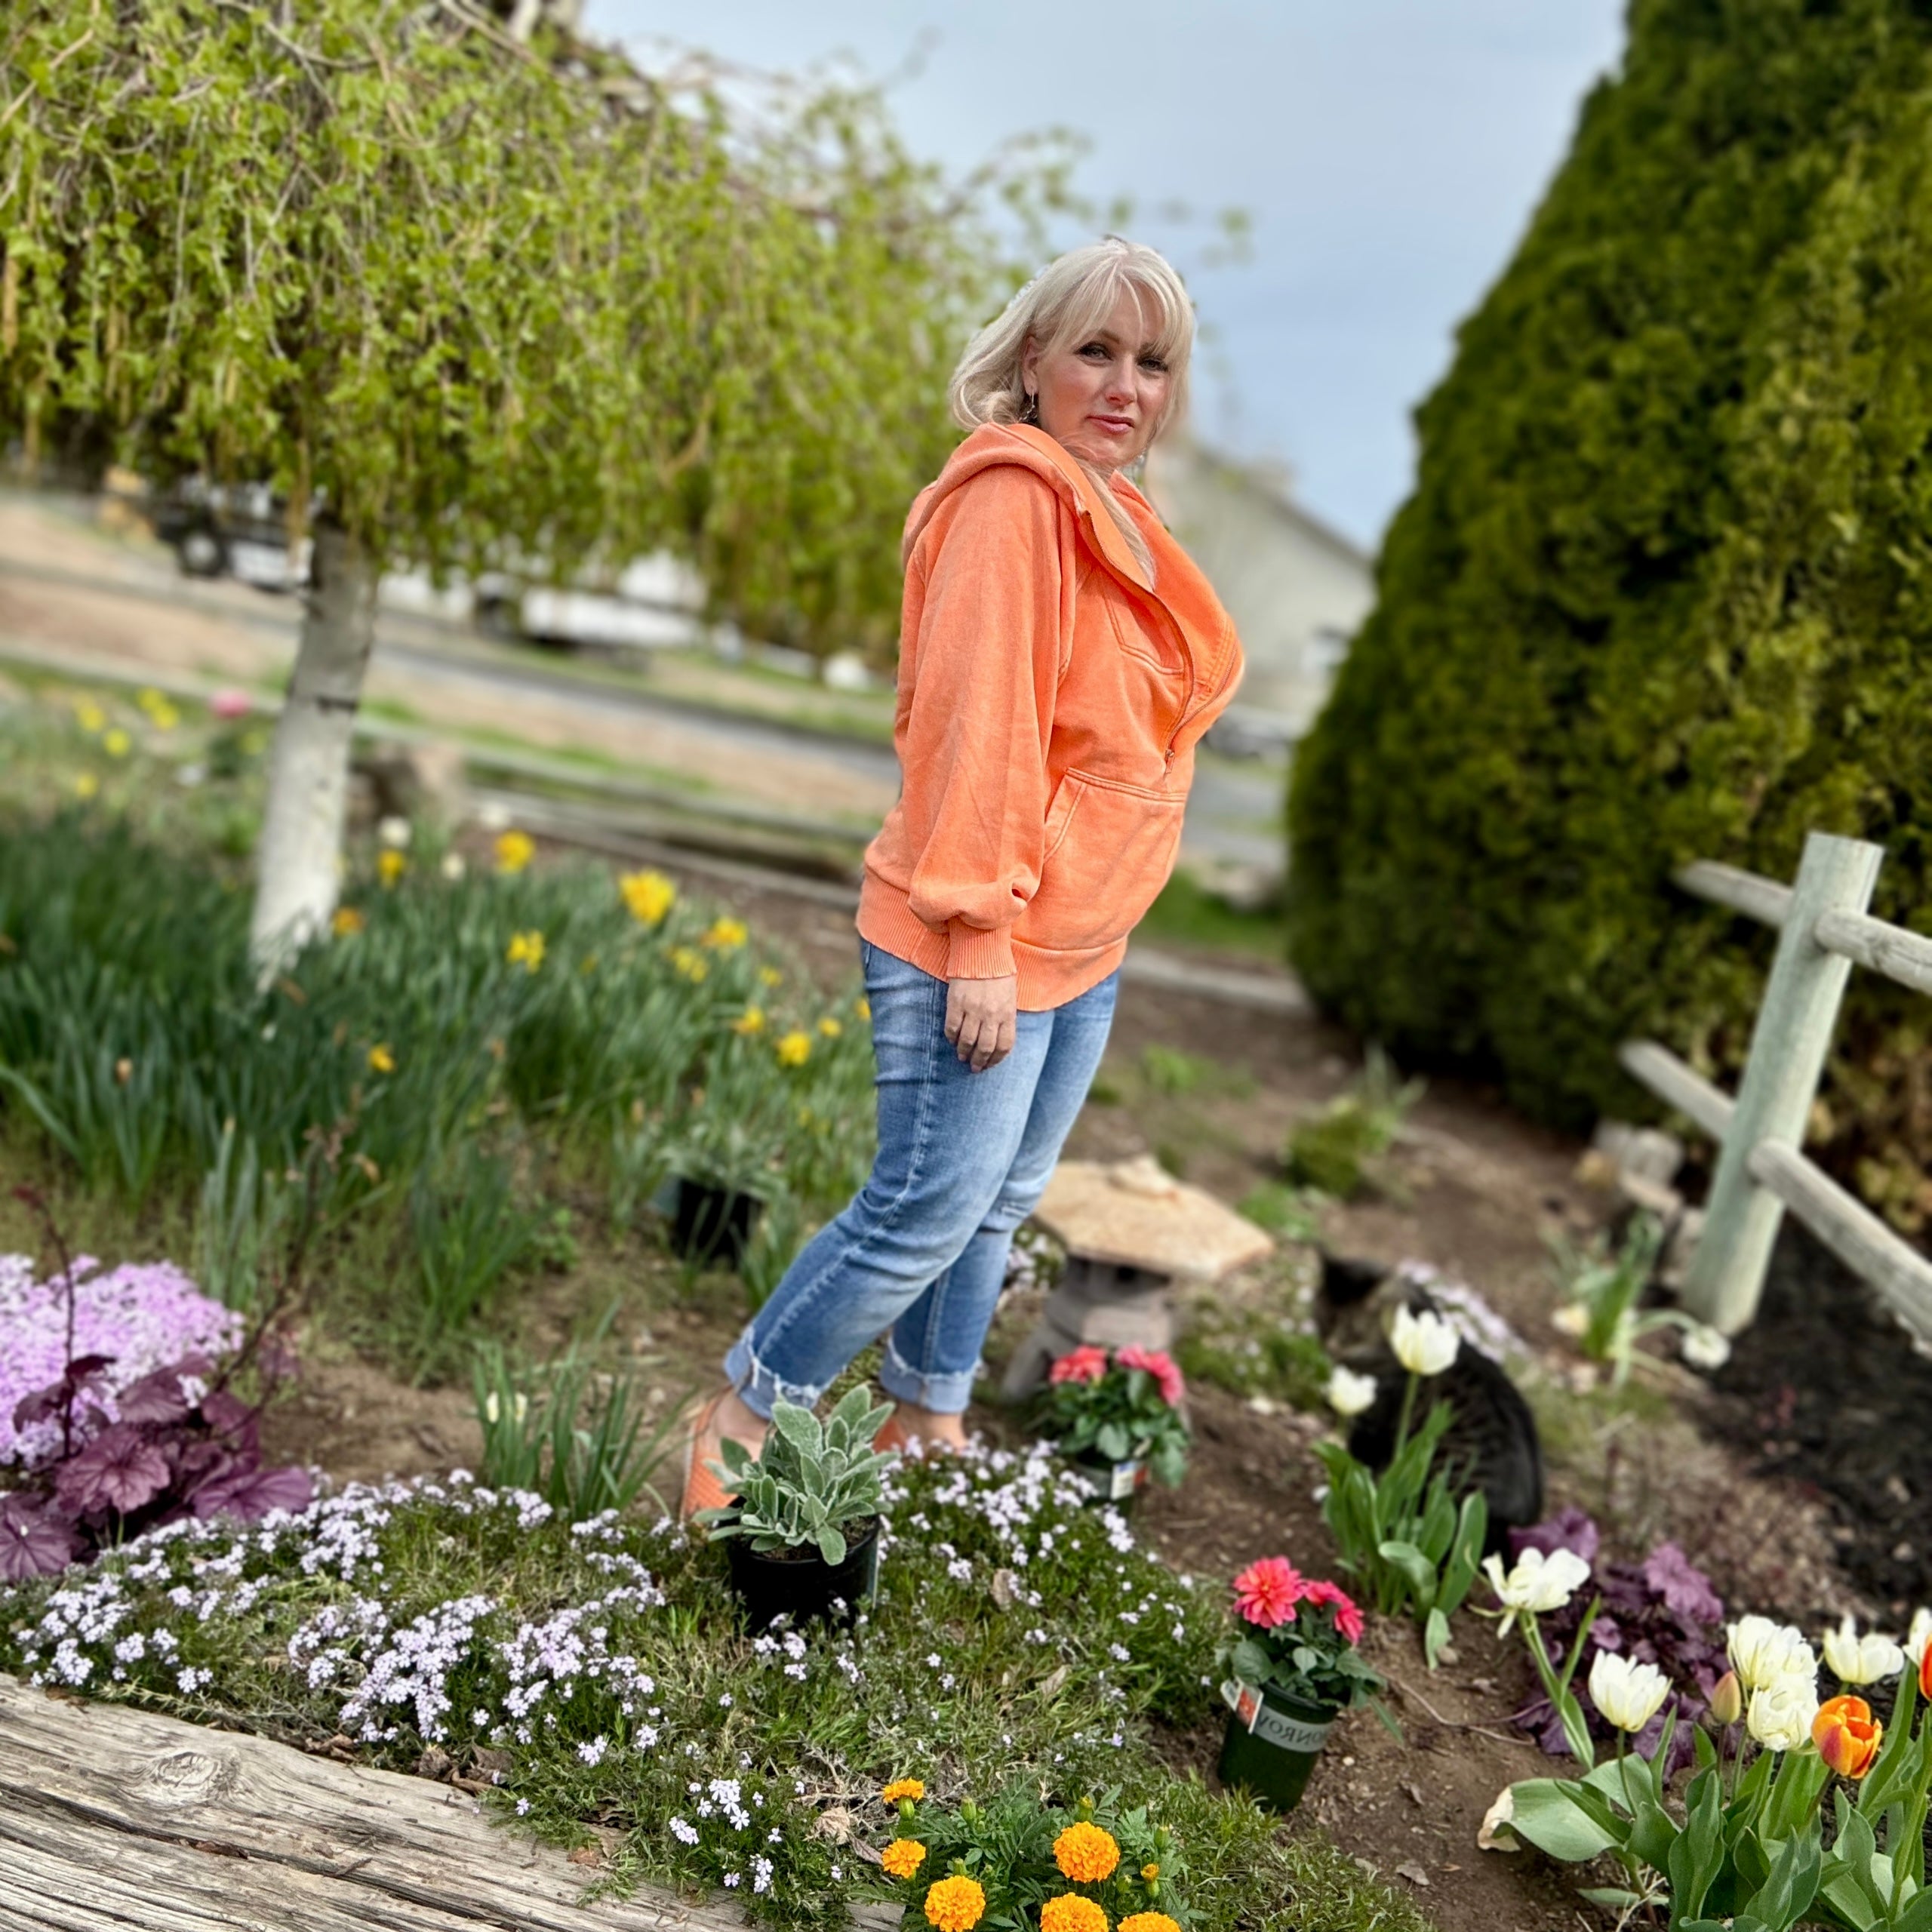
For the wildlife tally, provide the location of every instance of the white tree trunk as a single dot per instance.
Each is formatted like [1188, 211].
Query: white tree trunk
[300, 855]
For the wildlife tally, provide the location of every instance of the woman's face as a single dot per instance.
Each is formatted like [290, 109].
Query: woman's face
[1103, 397]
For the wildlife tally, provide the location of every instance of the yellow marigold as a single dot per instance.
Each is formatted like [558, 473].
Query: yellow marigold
[795, 1050]
[727, 932]
[903, 1857]
[830, 1028]
[956, 1905]
[912, 1788]
[1148, 1921]
[526, 950]
[751, 1021]
[515, 850]
[390, 865]
[1070, 1912]
[117, 743]
[346, 922]
[1087, 1855]
[649, 895]
[381, 1060]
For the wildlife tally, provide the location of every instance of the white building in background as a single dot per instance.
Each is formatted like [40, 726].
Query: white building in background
[1296, 590]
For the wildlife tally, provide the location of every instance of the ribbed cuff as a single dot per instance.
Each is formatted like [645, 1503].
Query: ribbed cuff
[974, 953]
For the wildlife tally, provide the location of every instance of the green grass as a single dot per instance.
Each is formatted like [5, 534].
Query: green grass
[1268, 1347]
[1187, 914]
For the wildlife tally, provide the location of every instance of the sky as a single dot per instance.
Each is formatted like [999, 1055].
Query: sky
[1389, 153]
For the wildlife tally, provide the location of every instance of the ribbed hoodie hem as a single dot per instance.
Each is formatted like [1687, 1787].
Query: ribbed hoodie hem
[1046, 980]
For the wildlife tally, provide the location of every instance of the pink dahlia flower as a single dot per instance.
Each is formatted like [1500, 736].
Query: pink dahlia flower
[1348, 1616]
[1161, 1366]
[1266, 1592]
[1084, 1365]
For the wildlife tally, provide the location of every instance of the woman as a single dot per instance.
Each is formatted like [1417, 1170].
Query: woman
[1060, 657]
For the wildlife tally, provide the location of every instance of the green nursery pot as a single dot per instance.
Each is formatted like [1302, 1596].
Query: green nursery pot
[1271, 1743]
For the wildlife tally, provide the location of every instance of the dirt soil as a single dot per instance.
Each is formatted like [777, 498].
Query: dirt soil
[1474, 1191]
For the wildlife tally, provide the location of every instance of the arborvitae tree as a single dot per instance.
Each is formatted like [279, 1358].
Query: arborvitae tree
[470, 292]
[1663, 591]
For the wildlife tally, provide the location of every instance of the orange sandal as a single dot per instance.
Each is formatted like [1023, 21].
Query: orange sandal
[703, 1490]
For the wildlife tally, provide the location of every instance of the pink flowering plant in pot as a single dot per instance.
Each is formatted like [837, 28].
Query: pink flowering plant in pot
[1117, 1409]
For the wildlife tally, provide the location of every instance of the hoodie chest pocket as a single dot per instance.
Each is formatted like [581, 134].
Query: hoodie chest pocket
[1136, 630]
[1109, 849]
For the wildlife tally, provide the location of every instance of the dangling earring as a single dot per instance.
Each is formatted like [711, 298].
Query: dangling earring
[1030, 414]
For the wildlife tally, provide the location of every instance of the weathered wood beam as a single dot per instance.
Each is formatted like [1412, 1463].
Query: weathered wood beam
[1852, 1232]
[1901, 956]
[1655, 1067]
[1757, 898]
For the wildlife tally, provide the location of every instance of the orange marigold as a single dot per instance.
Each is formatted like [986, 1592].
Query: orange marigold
[1086, 1854]
[1148, 1921]
[903, 1857]
[1070, 1912]
[912, 1788]
[957, 1904]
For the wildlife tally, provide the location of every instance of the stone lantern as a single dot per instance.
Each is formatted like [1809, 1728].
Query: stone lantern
[1129, 1229]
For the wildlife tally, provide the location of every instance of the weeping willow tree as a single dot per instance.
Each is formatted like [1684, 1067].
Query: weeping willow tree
[1663, 591]
[470, 292]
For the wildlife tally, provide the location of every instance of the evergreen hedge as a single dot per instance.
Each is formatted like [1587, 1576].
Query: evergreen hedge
[1663, 591]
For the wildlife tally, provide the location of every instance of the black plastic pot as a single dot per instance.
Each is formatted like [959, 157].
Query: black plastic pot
[1120, 1483]
[799, 1583]
[1271, 1743]
[713, 1223]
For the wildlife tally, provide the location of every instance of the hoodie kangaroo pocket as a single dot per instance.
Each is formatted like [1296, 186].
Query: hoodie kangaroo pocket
[1109, 851]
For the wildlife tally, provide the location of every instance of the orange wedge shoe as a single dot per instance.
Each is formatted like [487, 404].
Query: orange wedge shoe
[703, 1490]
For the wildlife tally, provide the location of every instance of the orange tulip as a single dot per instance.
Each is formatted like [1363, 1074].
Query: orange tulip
[1847, 1735]
[1925, 1673]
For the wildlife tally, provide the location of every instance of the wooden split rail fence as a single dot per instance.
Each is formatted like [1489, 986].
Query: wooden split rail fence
[1824, 930]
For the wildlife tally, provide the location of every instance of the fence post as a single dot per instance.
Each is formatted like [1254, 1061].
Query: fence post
[1788, 1043]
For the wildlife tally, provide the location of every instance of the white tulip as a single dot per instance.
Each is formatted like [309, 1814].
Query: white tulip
[394, 832]
[1865, 1659]
[1918, 1636]
[1628, 1693]
[1763, 1653]
[1537, 1585]
[1704, 1348]
[1349, 1394]
[1780, 1712]
[1573, 1319]
[1425, 1344]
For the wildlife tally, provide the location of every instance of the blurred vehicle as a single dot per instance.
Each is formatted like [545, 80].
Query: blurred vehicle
[237, 530]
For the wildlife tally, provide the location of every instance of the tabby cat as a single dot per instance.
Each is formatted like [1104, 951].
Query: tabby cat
[1491, 1443]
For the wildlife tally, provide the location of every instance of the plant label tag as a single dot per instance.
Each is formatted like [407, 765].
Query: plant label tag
[1127, 1477]
[1275, 1727]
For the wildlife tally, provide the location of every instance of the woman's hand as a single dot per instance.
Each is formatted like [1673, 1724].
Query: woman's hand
[981, 1019]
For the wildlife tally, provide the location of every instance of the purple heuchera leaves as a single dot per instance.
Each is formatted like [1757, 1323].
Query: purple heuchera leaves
[1570, 1528]
[1682, 1586]
[32, 1542]
[115, 1474]
[250, 1494]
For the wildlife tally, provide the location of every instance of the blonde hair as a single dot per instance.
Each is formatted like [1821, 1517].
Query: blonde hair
[1065, 303]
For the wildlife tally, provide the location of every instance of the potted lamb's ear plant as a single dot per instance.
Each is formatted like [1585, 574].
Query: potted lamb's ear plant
[801, 1529]
[1118, 1419]
[1293, 1669]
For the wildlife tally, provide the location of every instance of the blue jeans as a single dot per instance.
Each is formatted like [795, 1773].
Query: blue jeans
[963, 1159]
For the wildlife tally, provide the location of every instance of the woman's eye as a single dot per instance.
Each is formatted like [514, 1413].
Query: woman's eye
[1099, 349]
[1155, 363]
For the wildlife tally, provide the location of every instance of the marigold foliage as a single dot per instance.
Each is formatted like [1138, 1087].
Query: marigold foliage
[1663, 591]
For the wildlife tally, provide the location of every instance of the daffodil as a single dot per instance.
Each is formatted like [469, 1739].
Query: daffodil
[688, 963]
[89, 716]
[726, 933]
[863, 1006]
[381, 1059]
[794, 1049]
[346, 922]
[829, 1027]
[1856, 1659]
[1424, 1343]
[86, 786]
[649, 895]
[770, 976]
[515, 850]
[751, 1021]
[1538, 1583]
[1348, 1393]
[526, 950]
[390, 866]
[1627, 1693]
[117, 743]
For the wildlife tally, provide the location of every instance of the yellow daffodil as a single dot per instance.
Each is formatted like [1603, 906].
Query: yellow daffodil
[770, 976]
[830, 1028]
[164, 717]
[89, 716]
[689, 963]
[526, 950]
[863, 1006]
[390, 866]
[751, 1021]
[794, 1049]
[150, 701]
[117, 743]
[649, 895]
[381, 1060]
[726, 933]
[347, 922]
[86, 786]
[515, 850]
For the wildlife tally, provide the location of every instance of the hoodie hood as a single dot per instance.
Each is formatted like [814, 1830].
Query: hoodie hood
[1179, 587]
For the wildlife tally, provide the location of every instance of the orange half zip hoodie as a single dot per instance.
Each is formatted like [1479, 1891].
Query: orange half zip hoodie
[1049, 701]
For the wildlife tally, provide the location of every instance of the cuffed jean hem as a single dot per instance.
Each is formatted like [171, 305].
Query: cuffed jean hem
[758, 1388]
[944, 1392]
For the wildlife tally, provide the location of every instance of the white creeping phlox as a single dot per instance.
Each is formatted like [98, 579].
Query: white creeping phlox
[1868, 1659]
[1424, 1343]
[1538, 1584]
[1628, 1693]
